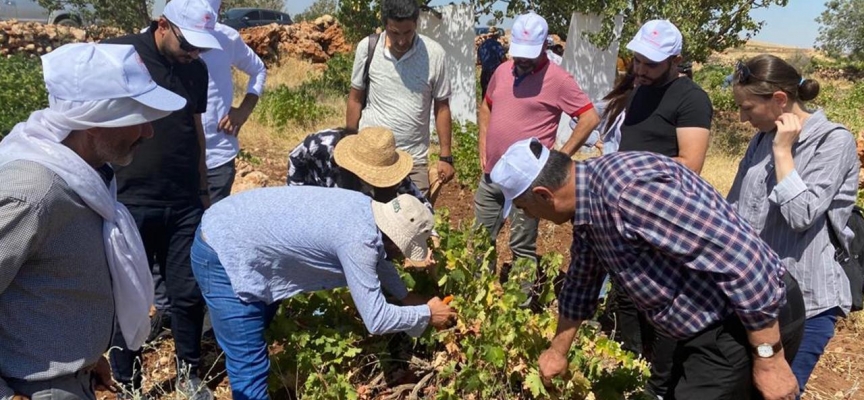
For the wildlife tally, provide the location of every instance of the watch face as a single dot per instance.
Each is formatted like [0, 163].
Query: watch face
[764, 351]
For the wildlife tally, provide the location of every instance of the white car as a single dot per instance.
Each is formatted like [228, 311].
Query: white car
[31, 11]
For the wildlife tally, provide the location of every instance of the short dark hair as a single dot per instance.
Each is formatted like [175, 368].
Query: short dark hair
[399, 10]
[554, 174]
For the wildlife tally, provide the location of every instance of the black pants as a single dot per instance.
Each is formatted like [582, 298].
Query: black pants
[220, 180]
[717, 363]
[167, 233]
[638, 335]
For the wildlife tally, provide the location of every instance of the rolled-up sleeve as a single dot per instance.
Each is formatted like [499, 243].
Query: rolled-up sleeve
[807, 192]
[362, 266]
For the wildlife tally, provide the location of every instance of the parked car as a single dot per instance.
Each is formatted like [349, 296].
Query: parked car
[31, 11]
[238, 18]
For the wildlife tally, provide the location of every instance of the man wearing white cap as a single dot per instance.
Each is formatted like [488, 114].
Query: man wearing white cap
[166, 186]
[525, 98]
[682, 254]
[248, 259]
[669, 116]
[71, 259]
[222, 122]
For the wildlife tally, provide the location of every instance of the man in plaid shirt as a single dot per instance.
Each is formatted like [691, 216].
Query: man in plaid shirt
[680, 252]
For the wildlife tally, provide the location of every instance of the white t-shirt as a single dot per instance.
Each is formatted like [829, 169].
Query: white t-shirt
[221, 147]
[401, 92]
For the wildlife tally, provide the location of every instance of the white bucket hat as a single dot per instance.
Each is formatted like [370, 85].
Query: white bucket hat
[528, 36]
[196, 20]
[81, 72]
[657, 40]
[517, 169]
[407, 222]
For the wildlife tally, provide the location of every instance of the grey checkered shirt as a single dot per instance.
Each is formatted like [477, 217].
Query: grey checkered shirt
[56, 303]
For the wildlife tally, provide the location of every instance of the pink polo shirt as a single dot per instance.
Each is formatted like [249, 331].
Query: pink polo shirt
[531, 108]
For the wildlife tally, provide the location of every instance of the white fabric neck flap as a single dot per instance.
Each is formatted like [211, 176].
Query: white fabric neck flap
[38, 140]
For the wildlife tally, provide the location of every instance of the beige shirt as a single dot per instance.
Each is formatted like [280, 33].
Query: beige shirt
[401, 92]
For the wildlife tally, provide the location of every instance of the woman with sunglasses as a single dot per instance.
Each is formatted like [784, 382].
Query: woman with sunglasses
[796, 186]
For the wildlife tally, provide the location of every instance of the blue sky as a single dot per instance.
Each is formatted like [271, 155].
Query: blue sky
[793, 25]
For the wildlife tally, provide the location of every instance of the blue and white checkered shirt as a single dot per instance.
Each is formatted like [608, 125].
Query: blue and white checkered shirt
[674, 245]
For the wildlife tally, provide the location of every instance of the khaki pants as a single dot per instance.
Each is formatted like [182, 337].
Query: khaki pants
[420, 176]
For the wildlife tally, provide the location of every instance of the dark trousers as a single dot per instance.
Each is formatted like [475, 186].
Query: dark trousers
[167, 233]
[220, 180]
[818, 331]
[717, 362]
[638, 335]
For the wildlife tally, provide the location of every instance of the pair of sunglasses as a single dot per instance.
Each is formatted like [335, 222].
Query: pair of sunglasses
[743, 72]
[184, 44]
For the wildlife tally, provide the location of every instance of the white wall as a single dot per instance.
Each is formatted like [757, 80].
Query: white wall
[455, 33]
[593, 68]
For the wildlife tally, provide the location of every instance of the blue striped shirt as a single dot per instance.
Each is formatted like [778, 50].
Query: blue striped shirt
[671, 242]
[790, 215]
[325, 238]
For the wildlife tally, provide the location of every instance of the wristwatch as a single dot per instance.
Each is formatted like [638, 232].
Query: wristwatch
[447, 159]
[767, 350]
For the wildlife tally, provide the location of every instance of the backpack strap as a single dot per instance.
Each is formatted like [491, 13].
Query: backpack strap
[373, 42]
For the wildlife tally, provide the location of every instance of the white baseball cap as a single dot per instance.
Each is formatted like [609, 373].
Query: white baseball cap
[517, 169]
[196, 20]
[407, 222]
[215, 4]
[90, 71]
[657, 40]
[528, 35]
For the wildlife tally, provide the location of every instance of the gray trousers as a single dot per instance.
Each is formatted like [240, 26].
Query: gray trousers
[75, 386]
[420, 176]
[488, 207]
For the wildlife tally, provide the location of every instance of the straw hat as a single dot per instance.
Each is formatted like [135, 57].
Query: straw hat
[407, 222]
[371, 154]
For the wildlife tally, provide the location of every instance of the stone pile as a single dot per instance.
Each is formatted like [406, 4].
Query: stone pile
[35, 39]
[315, 41]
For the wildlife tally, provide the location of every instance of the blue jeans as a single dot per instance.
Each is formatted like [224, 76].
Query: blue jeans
[818, 331]
[239, 326]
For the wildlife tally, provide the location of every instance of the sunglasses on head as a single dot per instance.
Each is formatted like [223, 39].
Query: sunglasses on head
[743, 72]
[184, 44]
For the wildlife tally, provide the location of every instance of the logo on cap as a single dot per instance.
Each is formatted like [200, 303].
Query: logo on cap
[396, 206]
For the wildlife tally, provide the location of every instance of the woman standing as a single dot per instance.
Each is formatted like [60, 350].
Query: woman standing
[796, 186]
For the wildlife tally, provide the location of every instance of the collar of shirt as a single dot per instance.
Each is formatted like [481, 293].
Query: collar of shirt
[408, 54]
[149, 41]
[540, 65]
[582, 214]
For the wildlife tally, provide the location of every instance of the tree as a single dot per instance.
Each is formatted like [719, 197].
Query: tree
[707, 25]
[317, 9]
[842, 30]
[359, 18]
[128, 15]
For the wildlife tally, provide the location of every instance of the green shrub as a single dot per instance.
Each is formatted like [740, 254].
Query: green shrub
[466, 154]
[285, 105]
[22, 90]
[336, 79]
[842, 104]
[711, 76]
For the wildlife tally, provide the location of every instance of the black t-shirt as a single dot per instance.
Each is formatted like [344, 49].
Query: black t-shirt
[654, 113]
[164, 170]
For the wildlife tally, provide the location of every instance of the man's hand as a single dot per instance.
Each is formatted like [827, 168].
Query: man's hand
[442, 315]
[100, 377]
[774, 379]
[552, 364]
[233, 121]
[446, 172]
